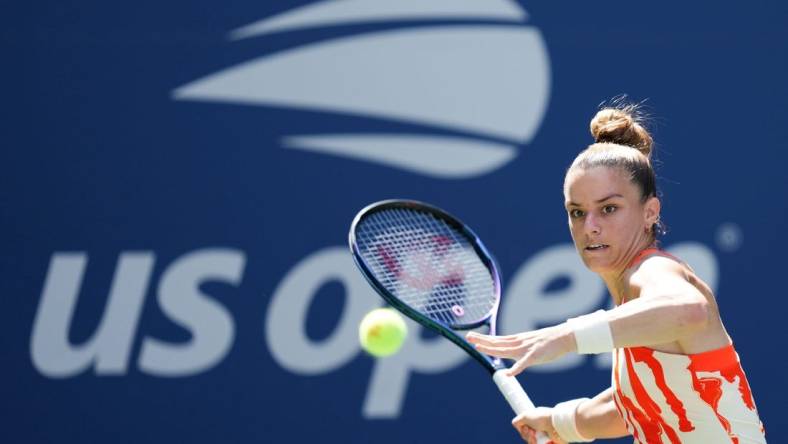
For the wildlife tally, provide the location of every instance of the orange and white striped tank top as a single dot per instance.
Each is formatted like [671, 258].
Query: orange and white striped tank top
[701, 398]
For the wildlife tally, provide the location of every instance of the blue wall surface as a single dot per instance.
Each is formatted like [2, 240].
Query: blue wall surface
[179, 179]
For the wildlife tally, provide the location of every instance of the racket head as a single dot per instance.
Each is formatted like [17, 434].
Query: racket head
[430, 266]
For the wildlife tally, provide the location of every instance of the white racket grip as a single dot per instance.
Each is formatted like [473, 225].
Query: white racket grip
[517, 398]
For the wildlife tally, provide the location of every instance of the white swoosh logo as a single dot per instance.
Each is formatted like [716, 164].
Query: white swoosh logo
[490, 82]
[437, 156]
[338, 12]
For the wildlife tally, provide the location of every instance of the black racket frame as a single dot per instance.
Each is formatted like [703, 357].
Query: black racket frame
[491, 364]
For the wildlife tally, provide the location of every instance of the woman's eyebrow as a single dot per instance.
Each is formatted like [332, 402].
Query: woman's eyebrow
[609, 197]
[572, 204]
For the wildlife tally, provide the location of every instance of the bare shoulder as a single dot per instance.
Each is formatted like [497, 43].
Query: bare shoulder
[666, 280]
[665, 274]
[659, 270]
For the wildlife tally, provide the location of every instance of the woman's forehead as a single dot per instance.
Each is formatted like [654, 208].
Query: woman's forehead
[597, 183]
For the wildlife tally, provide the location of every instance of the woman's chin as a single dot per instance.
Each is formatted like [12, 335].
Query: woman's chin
[596, 264]
[597, 260]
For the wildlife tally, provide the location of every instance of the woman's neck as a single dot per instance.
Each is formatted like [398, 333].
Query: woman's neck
[617, 281]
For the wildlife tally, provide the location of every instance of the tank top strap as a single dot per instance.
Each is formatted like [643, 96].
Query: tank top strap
[648, 252]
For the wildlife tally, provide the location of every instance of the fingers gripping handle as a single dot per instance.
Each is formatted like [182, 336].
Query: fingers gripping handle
[517, 398]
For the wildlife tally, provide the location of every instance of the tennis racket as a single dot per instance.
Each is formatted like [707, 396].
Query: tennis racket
[435, 270]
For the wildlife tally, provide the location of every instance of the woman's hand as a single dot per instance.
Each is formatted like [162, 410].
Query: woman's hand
[537, 420]
[527, 348]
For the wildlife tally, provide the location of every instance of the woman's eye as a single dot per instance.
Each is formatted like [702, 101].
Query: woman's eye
[574, 214]
[607, 209]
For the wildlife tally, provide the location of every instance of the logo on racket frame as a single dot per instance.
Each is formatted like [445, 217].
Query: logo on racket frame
[427, 274]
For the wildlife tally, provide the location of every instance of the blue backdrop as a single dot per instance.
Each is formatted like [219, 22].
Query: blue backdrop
[179, 178]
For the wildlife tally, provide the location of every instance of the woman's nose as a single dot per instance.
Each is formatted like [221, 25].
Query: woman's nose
[591, 225]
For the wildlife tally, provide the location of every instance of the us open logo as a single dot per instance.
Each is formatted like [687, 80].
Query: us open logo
[473, 78]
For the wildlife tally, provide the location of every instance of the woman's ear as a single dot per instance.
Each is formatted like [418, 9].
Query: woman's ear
[651, 212]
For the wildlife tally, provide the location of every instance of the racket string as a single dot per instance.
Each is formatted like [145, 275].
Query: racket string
[427, 264]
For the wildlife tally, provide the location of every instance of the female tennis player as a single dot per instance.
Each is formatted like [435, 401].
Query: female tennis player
[676, 376]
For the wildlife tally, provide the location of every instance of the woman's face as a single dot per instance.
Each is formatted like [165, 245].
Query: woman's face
[608, 221]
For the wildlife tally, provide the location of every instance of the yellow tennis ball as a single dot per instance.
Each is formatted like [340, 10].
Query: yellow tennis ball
[382, 332]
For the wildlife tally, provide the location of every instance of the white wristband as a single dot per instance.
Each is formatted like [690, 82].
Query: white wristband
[592, 333]
[563, 419]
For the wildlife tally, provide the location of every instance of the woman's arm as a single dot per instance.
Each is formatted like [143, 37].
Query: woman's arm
[669, 308]
[599, 417]
[594, 418]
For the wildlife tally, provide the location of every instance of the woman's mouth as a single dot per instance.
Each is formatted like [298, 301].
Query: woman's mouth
[596, 247]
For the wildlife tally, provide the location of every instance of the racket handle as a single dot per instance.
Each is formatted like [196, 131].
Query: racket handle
[517, 398]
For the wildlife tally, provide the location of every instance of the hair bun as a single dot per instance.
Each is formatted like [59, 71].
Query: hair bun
[620, 126]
